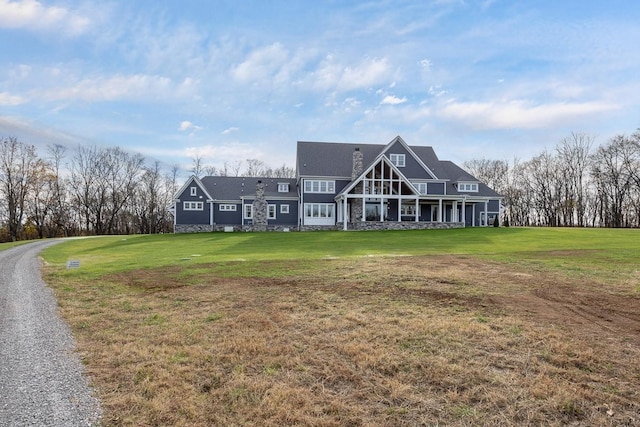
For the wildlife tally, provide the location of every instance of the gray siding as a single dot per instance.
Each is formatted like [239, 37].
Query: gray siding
[435, 188]
[412, 169]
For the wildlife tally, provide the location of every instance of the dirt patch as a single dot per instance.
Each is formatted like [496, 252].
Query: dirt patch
[446, 340]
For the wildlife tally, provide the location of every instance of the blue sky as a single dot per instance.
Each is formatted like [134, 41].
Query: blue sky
[231, 80]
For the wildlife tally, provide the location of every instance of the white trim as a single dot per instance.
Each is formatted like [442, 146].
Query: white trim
[283, 210]
[227, 207]
[410, 151]
[247, 208]
[316, 211]
[315, 186]
[468, 187]
[283, 187]
[192, 206]
[399, 160]
[271, 208]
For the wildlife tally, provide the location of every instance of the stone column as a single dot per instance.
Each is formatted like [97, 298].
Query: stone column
[356, 170]
[260, 209]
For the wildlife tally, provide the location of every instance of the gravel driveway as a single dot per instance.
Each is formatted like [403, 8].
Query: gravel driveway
[41, 378]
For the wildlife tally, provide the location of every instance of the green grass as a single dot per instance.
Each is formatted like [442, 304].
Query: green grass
[606, 252]
[9, 245]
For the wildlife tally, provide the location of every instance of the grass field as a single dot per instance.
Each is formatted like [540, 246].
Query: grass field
[506, 326]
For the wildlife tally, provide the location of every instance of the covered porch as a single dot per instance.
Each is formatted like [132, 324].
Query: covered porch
[382, 195]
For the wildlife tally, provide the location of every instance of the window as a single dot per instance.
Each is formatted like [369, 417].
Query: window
[248, 212]
[228, 208]
[408, 209]
[272, 212]
[421, 187]
[314, 186]
[194, 191]
[283, 188]
[397, 159]
[192, 206]
[465, 186]
[319, 210]
[284, 209]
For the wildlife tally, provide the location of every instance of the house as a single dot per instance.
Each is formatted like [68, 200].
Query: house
[342, 186]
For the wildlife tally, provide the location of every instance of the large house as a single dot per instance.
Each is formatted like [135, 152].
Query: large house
[342, 186]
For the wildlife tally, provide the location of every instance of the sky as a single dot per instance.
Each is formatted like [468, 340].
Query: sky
[230, 80]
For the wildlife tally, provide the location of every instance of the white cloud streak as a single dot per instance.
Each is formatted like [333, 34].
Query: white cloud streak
[33, 15]
[519, 114]
[392, 100]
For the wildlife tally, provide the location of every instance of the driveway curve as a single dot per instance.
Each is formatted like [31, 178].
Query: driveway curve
[41, 377]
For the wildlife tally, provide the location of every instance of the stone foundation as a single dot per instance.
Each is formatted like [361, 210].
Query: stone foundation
[358, 226]
[402, 225]
[386, 225]
[192, 228]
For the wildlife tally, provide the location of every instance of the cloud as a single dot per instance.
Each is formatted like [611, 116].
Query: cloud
[341, 77]
[261, 63]
[393, 100]
[187, 125]
[229, 130]
[425, 64]
[119, 87]
[31, 14]
[519, 114]
[7, 99]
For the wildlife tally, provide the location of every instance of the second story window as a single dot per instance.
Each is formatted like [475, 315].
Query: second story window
[397, 159]
[194, 191]
[283, 187]
[468, 186]
[421, 187]
[313, 186]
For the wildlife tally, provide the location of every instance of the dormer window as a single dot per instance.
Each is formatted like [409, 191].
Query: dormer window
[283, 187]
[397, 160]
[468, 187]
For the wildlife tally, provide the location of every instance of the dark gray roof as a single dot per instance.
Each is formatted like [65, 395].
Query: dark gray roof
[233, 188]
[334, 159]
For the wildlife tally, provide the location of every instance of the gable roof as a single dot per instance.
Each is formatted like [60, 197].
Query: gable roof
[335, 159]
[234, 187]
[380, 158]
[430, 155]
[192, 179]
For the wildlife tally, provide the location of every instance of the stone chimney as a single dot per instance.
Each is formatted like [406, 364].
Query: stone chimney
[356, 170]
[260, 209]
[356, 204]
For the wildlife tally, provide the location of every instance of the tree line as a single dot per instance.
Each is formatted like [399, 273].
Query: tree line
[93, 191]
[576, 184]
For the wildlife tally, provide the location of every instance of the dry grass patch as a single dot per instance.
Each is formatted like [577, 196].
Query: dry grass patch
[393, 341]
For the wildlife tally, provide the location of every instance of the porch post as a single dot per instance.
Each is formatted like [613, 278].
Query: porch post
[464, 212]
[344, 212]
[364, 208]
[399, 209]
[417, 207]
[486, 213]
[454, 211]
[473, 215]
[440, 210]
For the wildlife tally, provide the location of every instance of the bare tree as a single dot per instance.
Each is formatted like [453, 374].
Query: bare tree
[19, 166]
[197, 166]
[613, 178]
[60, 215]
[574, 154]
